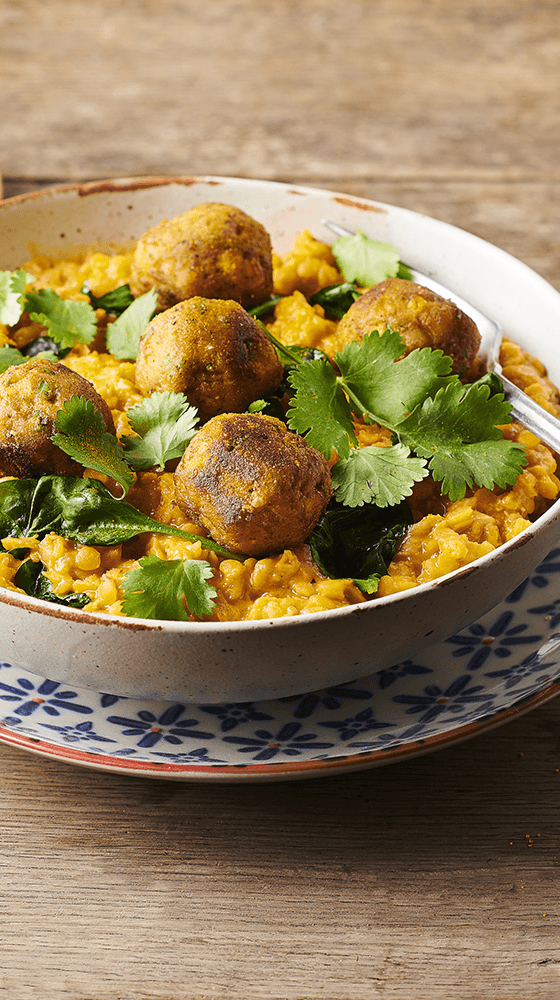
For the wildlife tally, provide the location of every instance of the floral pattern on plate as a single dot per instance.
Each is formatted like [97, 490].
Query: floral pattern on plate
[503, 661]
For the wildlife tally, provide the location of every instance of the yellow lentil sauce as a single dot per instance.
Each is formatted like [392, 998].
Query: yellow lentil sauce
[443, 537]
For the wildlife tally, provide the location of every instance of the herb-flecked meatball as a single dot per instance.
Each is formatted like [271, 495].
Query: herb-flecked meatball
[212, 250]
[422, 317]
[30, 396]
[255, 486]
[212, 351]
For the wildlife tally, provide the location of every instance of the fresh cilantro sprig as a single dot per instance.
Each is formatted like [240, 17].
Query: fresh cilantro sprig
[70, 322]
[67, 322]
[12, 295]
[10, 356]
[439, 425]
[80, 433]
[171, 589]
[123, 336]
[456, 431]
[368, 261]
[163, 425]
[377, 475]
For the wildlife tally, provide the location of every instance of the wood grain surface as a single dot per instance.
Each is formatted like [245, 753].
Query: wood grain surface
[433, 879]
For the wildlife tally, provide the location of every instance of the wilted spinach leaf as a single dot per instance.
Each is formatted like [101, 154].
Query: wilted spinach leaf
[31, 579]
[83, 510]
[336, 299]
[115, 301]
[358, 542]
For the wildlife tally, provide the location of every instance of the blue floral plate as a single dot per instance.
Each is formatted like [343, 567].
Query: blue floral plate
[504, 664]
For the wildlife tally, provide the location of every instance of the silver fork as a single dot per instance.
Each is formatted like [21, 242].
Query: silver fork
[523, 408]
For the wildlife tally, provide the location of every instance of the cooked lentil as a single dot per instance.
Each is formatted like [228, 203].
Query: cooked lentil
[443, 537]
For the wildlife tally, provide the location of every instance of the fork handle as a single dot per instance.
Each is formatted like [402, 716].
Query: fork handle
[531, 415]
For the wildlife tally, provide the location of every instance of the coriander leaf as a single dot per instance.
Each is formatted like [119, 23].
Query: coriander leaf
[383, 476]
[31, 579]
[10, 356]
[12, 294]
[456, 431]
[319, 409]
[123, 336]
[115, 301]
[82, 435]
[364, 260]
[164, 423]
[83, 510]
[67, 322]
[358, 543]
[171, 589]
[386, 387]
[336, 299]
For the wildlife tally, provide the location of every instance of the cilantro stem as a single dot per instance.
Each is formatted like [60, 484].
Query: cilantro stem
[280, 347]
[359, 406]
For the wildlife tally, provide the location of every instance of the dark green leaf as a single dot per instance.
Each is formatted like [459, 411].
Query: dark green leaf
[457, 431]
[83, 510]
[115, 301]
[358, 543]
[31, 579]
[336, 299]
[387, 385]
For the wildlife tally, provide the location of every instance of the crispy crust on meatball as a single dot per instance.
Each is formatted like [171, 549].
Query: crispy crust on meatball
[422, 317]
[213, 352]
[255, 486]
[213, 250]
[30, 396]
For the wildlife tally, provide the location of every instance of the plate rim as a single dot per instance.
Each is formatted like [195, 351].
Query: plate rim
[283, 770]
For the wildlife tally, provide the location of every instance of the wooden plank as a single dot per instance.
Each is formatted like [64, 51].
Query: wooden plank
[431, 878]
[361, 90]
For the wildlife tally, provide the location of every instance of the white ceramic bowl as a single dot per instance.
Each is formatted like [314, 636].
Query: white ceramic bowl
[225, 662]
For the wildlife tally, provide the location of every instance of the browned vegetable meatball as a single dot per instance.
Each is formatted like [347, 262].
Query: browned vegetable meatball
[30, 396]
[212, 250]
[422, 317]
[213, 351]
[256, 487]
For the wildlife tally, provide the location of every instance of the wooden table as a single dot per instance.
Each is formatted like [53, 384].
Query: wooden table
[433, 879]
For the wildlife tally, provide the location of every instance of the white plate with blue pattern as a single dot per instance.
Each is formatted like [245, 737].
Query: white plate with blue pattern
[504, 664]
